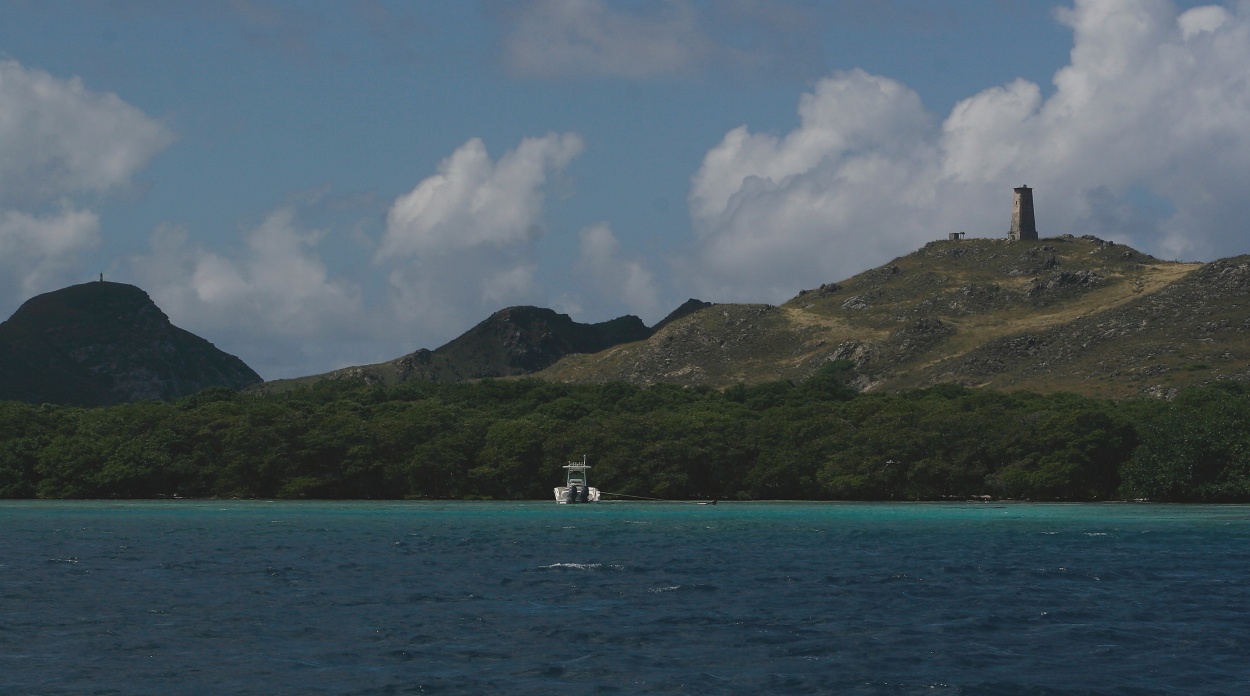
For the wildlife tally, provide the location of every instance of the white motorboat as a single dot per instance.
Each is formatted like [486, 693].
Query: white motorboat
[575, 488]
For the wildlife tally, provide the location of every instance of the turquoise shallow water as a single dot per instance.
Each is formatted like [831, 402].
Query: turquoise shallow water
[391, 598]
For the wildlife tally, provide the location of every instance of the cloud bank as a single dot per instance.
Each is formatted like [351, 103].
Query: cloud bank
[624, 284]
[1144, 139]
[59, 138]
[459, 245]
[273, 301]
[37, 252]
[60, 141]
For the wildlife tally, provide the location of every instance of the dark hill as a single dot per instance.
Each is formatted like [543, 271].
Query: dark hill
[687, 308]
[520, 340]
[105, 343]
[511, 342]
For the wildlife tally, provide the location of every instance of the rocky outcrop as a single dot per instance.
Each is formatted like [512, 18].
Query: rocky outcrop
[917, 338]
[1060, 283]
[106, 343]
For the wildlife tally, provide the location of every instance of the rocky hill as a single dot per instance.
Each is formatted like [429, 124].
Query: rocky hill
[511, 342]
[1064, 313]
[105, 343]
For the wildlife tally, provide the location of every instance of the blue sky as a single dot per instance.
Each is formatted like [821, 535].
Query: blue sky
[311, 184]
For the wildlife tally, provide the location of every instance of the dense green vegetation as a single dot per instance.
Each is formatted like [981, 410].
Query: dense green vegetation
[508, 439]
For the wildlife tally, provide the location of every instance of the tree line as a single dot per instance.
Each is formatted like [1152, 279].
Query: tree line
[507, 439]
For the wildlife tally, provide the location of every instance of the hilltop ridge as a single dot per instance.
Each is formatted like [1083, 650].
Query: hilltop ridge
[104, 343]
[511, 342]
[1060, 313]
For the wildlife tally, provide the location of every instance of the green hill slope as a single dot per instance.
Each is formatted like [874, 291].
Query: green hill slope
[1065, 313]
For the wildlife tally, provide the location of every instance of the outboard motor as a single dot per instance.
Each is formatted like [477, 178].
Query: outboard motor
[573, 494]
[583, 495]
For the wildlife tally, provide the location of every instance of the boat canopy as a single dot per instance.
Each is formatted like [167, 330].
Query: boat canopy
[577, 472]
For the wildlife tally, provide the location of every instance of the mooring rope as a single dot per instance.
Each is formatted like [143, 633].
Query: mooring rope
[661, 500]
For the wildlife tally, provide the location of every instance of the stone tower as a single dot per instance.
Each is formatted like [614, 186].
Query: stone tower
[1023, 226]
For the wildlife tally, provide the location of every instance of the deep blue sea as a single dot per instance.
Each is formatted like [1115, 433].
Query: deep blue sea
[216, 597]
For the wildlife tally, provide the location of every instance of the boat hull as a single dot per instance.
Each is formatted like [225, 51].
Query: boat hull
[562, 495]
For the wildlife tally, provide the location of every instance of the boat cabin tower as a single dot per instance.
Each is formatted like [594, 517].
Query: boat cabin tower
[576, 489]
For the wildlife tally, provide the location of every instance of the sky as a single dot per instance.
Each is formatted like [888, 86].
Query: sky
[312, 184]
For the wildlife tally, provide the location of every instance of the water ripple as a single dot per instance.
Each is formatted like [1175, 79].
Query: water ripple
[147, 598]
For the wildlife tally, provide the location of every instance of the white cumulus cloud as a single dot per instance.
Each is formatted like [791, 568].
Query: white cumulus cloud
[461, 243]
[842, 187]
[618, 281]
[60, 141]
[458, 246]
[473, 201]
[58, 138]
[1144, 139]
[37, 252]
[274, 302]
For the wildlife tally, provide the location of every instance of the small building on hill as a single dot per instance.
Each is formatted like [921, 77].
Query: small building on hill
[1023, 224]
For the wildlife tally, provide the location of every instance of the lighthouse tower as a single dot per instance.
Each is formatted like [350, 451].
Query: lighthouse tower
[1023, 226]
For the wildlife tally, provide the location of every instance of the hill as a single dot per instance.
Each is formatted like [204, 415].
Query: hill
[1064, 313]
[511, 342]
[106, 343]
